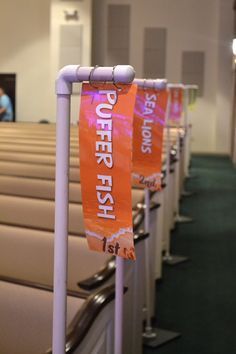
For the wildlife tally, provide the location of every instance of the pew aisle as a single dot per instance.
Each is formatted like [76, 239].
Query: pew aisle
[204, 289]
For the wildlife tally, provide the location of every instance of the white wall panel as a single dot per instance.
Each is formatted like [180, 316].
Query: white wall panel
[70, 40]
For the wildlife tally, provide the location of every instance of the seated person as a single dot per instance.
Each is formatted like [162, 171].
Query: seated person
[6, 111]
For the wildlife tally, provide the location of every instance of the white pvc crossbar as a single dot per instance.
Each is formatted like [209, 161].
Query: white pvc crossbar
[158, 84]
[170, 86]
[194, 87]
[76, 73]
[67, 76]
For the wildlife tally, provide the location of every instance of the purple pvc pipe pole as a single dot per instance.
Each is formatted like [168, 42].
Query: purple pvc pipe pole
[168, 149]
[148, 327]
[66, 77]
[119, 300]
[61, 224]
[187, 133]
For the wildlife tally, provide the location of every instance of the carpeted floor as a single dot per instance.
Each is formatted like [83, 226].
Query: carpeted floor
[198, 298]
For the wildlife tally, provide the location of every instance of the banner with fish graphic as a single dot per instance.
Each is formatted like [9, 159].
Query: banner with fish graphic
[149, 121]
[105, 141]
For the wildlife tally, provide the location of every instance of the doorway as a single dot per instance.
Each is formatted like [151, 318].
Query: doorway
[8, 82]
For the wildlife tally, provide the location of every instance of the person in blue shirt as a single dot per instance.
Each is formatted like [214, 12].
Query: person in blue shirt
[6, 110]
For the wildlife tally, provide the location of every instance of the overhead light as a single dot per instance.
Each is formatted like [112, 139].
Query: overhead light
[234, 46]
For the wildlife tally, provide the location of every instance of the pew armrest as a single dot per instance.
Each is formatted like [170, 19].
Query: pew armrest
[154, 206]
[84, 319]
[140, 237]
[173, 160]
[99, 278]
[139, 216]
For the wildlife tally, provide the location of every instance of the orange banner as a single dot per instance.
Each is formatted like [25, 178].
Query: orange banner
[149, 121]
[105, 140]
[176, 103]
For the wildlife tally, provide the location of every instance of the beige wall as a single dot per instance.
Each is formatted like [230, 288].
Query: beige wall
[29, 48]
[204, 25]
[24, 43]
[29, 42]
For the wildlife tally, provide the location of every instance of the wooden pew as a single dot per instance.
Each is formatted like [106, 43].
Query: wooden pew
[27, 254]
[43, 167]
[34, 170]
[38, 214]
[26, 319]
[39, 143]
[45, 189]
